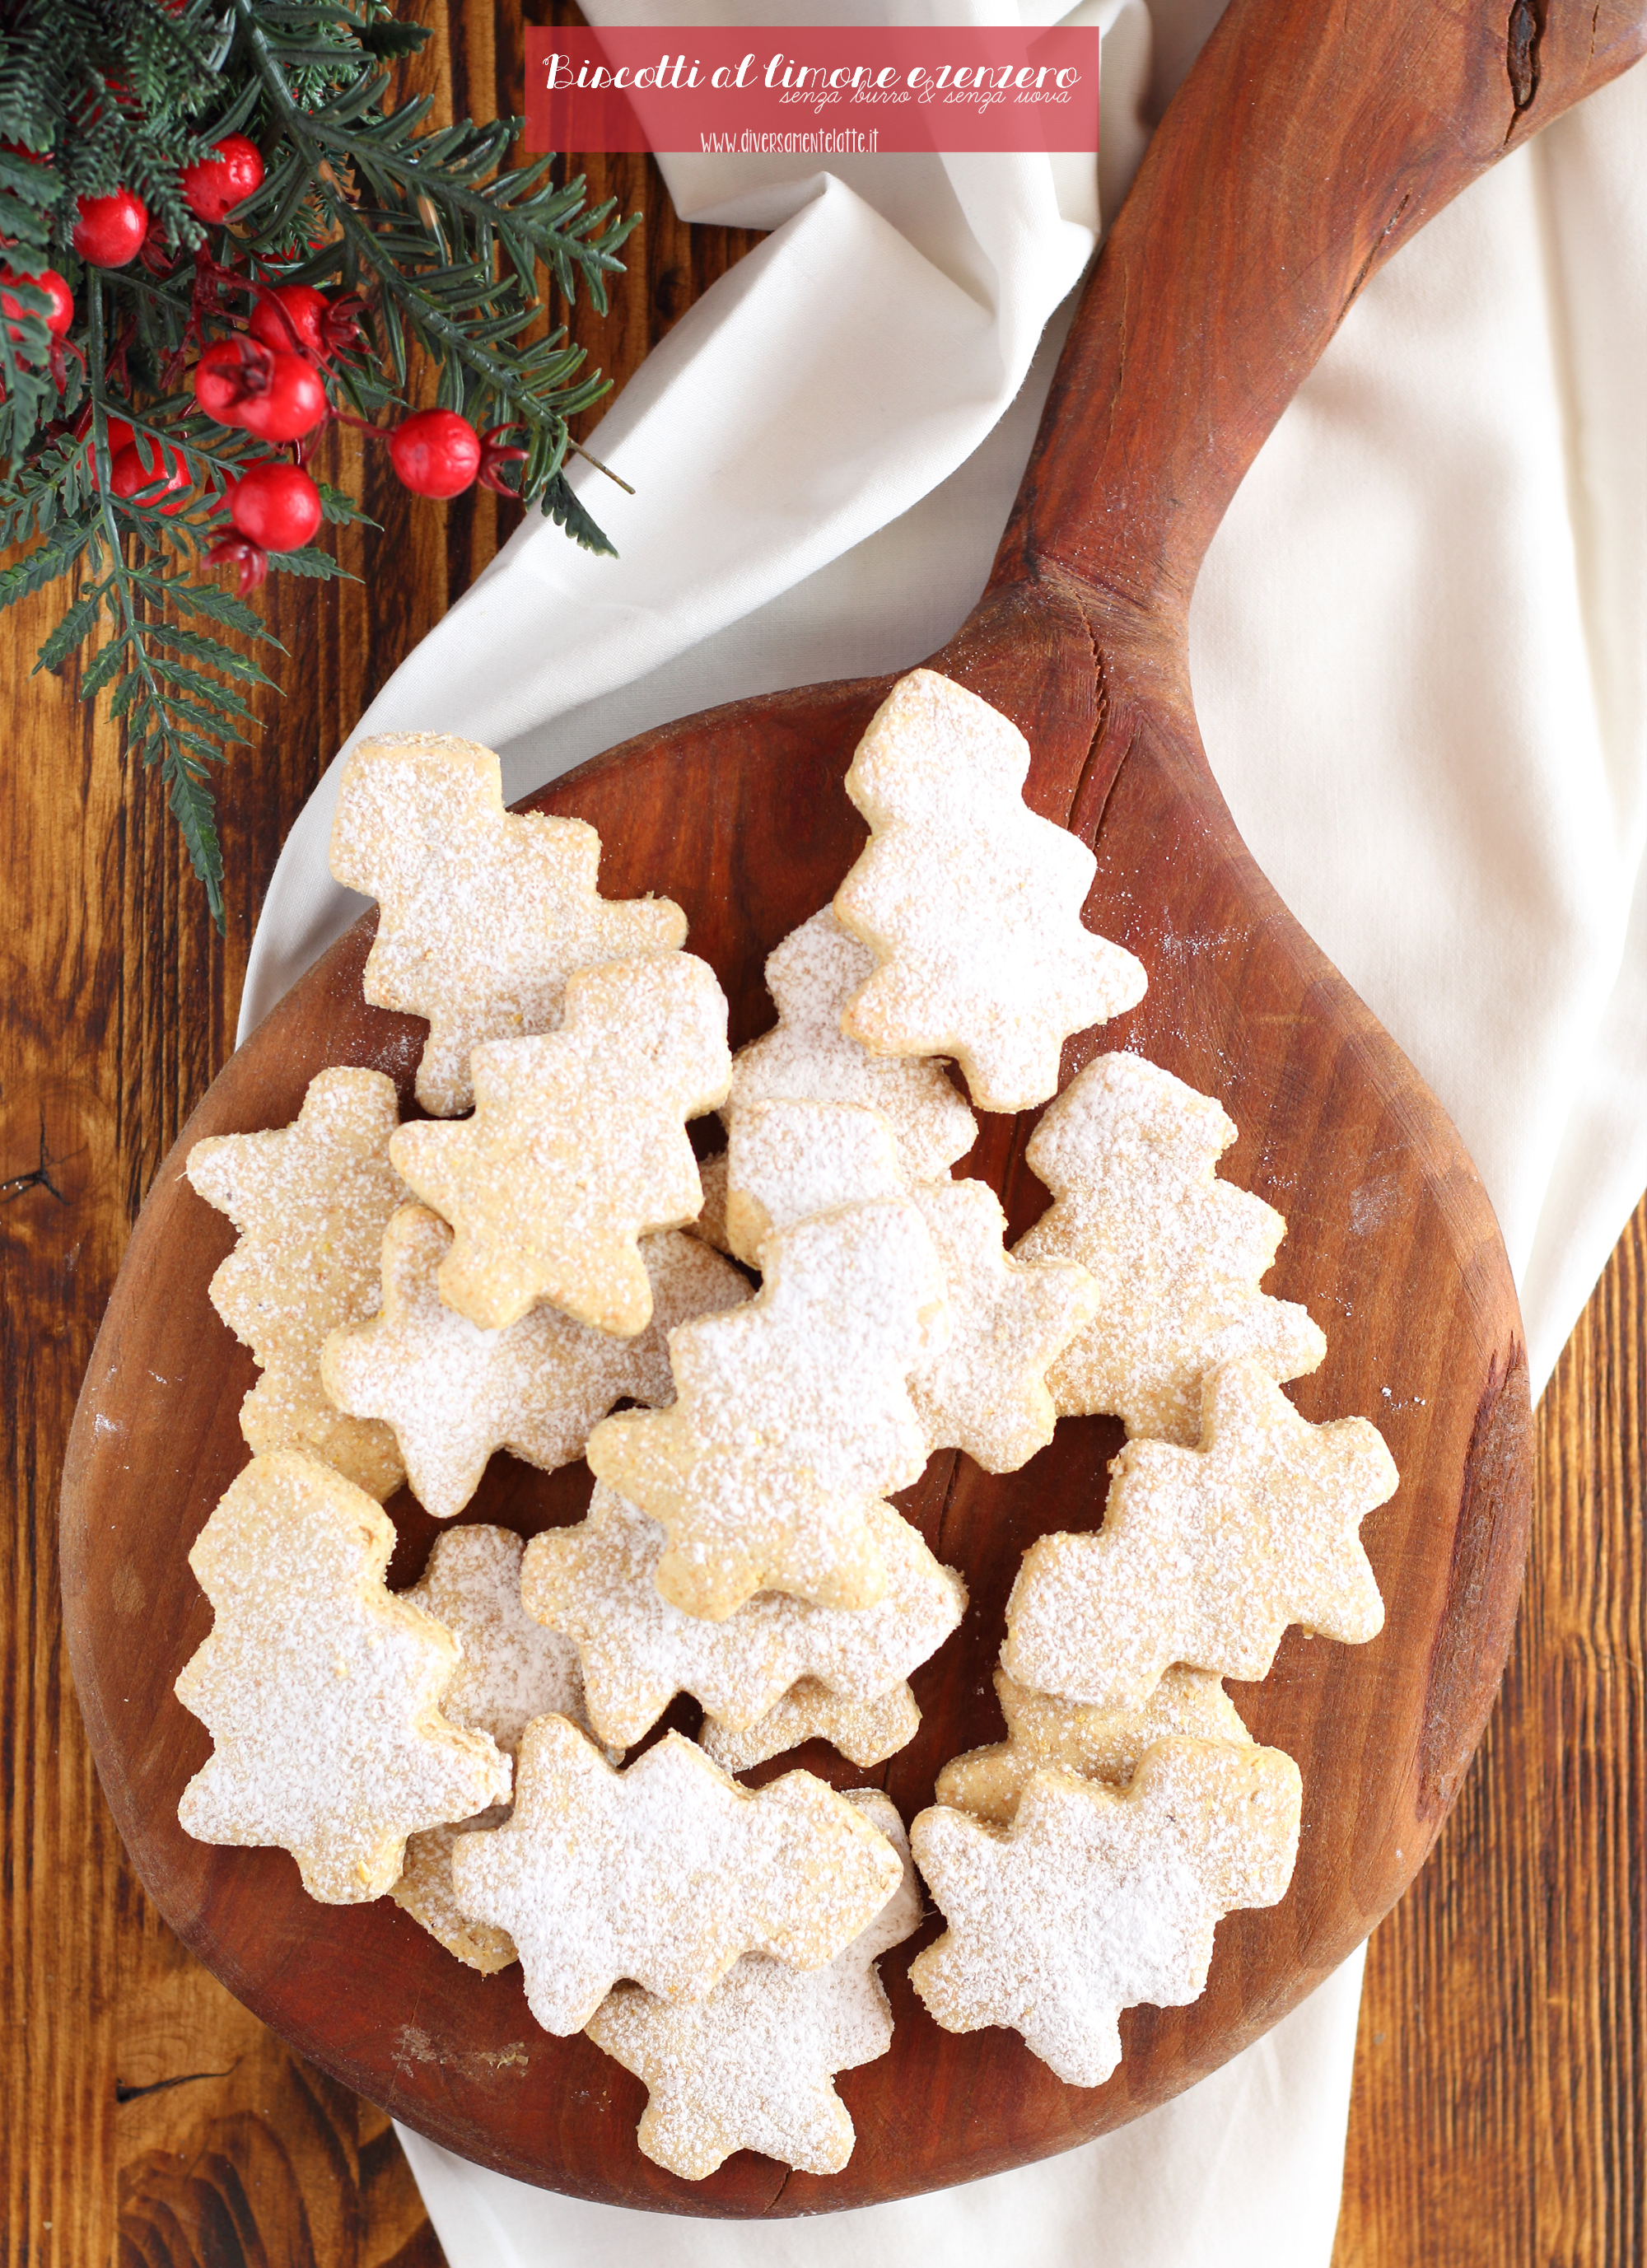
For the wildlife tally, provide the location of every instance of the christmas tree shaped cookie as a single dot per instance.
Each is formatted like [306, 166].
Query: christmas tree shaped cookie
[749, 2068]
[808, 1058]
[970, 902]
[321, 1692]
[1045, 1729]
[665, 1874]
[1127, 1152]
[865, 1731]
[453, 1393]
[793, 1418]
[311, 1201]
[1010, 1319]
[1207, 1555]
[789, 1161]
[484, 915]
[1093, 1900]
[577, 1147]
[597, 1583]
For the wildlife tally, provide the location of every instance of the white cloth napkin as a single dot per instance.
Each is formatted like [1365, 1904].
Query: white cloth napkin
[1420, 657]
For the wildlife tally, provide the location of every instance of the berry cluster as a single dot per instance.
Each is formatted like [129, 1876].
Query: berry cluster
[267, 378]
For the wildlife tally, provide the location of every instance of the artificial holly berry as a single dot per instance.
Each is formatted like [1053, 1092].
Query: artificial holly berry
[109, 230]
[130, 476]
[249, 560]
[436, 452]
[291, 401]
[302, 323]
[212, 188]
[276, 505]
[59, 314]
[228, 371]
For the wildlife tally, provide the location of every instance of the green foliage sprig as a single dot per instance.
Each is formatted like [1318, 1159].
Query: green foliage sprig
[427, 238]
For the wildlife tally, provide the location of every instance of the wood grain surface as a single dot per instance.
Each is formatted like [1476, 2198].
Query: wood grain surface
[1497, 2114]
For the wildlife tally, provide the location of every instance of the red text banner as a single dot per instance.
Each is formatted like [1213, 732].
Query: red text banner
[812, 89]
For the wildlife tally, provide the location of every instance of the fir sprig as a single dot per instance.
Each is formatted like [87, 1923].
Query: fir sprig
[436, 242]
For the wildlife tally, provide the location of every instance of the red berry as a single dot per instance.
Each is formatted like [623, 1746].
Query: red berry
[110, 229]
[276, 505]
[307, 309]
[59, 314]
[128, 476]
[291, 403]
[218, 184]
[228, 371]
[436, 452]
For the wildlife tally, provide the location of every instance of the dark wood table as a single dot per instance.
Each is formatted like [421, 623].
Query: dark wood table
[1498, 2114]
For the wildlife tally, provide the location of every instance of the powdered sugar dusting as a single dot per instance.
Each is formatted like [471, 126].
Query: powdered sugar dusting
[789, 1161]
[970, 902]
[865, 1731]
[321, 1692]
[665, 1874]
[1205, 1557]
[1129, 1152]
[455, 1394]
[485, 913]
[749, 2067]
[812, 975]
[577, 1147]
[1077, 1736]
[311, 1201]
[1093, 1901]
[793, 1418]
[986, 1392]
[597, 1584]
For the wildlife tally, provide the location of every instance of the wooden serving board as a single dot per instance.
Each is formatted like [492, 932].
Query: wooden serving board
[1216, 290]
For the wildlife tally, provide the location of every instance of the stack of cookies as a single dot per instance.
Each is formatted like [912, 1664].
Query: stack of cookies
[802, 1323]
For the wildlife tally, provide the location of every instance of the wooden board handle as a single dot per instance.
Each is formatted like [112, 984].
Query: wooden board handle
[1306, 145]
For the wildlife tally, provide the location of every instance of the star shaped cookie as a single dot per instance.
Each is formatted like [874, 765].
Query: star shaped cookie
[793, 1418]
[1044, 1729]
[808, 1058]
[311, 1201]
[969, 902]
[665, 1874]
[1010, 1319]
[1207, 1555]
[597, 1583]
[577, 1147]
[749, 2068]
[322, 1693]
[1093, 1900]
[453, 1393]
[1127, 1152]
[484, 915]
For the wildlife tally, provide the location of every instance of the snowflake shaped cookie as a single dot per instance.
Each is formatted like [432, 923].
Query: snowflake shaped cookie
[970, 902]
[322, 1693]
[1207, 1555]
[311, 1201]
[1093, 1900]
[1010, 1319]
[577, 1147]
[597, 1583]
[1128, 1151]
[453, 1393]
[749, 2068]
[484, 915]
[425, 1892]
[1045, 1729]
[808, 1058]
[665, 1874]
[793, 1418]
[512, 1669]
